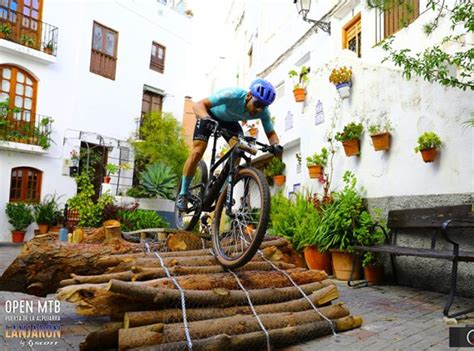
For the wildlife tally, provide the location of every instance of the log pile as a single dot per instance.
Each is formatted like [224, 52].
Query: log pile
[108, 276]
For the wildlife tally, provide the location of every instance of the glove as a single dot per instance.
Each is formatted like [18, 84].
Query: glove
[277, 150]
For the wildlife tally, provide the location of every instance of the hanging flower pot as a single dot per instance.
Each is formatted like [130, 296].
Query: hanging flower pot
[344, 89]
[253, 132]
[279, 180]
[18, 236]
[429, 155]
[315, 171]
[107, 179]
[300, 94]
[381, 141]
[318, 260]
[352, 147]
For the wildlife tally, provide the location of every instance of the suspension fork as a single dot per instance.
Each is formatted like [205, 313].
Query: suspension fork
[230, 185]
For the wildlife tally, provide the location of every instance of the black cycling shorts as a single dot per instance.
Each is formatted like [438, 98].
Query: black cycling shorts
[203, 129]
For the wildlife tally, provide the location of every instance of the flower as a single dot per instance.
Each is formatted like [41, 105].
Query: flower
[340, 75]
[74, 155]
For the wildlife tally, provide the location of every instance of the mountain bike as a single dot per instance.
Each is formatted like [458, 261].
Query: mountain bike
[238, 195]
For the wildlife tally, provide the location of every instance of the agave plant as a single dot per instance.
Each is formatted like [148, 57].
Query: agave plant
[158, 180]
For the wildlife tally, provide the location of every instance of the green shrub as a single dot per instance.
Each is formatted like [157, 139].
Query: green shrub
[140, 219]
[428, 140]
[19, 215]
[351, 131]
[158, 180]
[275, 167]
[320, 159]
[46, 212]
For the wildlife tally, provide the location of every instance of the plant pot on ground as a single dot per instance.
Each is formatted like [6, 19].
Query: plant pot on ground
[20, 217]
[428, 145]
[316, 163]
[342, 262]
[374, 274]
[45, 213]
[316, 259]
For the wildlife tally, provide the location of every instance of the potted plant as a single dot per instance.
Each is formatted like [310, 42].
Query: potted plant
[112, 168]
[316, 163]
[20, 217]
[253, 128]
[5, 31]
[350, 138]
[380, 133]
[48, 48]
[428, 145]
[341, 78]
[45, 213]
[275, 170]
[74, 168]
[300, 82]
[27, 40]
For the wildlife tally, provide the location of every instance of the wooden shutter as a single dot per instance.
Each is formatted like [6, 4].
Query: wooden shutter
[157, 60]
[104, 51]
[400, 15]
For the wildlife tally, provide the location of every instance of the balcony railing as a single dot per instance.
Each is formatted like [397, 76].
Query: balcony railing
[398, 15]
[28, 31]
[22, 126]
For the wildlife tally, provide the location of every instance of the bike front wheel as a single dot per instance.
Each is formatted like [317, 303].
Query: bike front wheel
[238, 233]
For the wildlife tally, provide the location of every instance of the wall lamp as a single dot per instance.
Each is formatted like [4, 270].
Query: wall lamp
[303, 7]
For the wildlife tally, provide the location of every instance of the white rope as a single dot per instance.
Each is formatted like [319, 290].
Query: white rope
[301, 291]
[183, 301]
[253, 309]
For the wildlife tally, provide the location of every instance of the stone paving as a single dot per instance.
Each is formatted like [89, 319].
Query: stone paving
[395, 318]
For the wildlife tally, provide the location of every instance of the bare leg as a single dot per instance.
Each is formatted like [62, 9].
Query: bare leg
[199, 147]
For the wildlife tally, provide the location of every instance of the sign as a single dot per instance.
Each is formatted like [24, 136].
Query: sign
[319, 117]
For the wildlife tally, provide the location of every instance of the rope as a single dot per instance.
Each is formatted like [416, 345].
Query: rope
[181, 291]
[253, 309]
[301, 291]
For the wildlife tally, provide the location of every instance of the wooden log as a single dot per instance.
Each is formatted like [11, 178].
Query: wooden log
[95, 279]
[216, 297]
[280, 337]
[184, 242]
[103, 338]
[318, 298]
[238, 324]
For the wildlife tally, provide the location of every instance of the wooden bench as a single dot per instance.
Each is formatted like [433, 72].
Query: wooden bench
[442, 220]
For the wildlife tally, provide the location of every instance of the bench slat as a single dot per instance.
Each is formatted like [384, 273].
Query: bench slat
[464, 256]
[432, 217]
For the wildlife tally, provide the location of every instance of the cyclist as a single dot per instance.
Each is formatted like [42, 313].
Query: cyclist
[228, 107]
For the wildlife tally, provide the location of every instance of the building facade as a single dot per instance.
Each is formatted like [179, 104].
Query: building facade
[79, 75]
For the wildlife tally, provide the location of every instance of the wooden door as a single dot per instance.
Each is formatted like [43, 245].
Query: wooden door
[24, 17]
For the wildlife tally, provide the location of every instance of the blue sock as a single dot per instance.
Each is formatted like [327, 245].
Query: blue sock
[185, 181]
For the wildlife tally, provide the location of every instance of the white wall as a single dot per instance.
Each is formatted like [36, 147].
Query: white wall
[79, 100]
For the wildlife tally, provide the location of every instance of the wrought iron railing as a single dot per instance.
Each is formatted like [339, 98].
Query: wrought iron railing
[22, 126]
[397, 15]
[28, 31]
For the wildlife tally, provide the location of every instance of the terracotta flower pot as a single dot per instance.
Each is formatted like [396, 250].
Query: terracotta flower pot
[381, 141]
[279, 180]
[429, 155]
[300, 94]
[55, 228]
[374, 274]
[18, 236]
[48, 50]
[342, 265]
[352, 147]
[106, 179]
[318, 260]
[43, 228]
[315, 171]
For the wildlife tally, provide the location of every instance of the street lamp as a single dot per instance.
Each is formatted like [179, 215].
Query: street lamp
[303, 7]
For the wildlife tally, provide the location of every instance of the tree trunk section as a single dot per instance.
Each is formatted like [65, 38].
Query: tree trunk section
[103, 338]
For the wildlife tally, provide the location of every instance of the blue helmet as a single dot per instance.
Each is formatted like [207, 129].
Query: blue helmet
[263, 91]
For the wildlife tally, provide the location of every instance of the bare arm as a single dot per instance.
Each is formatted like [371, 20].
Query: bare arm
[201, 108]
[273, 138]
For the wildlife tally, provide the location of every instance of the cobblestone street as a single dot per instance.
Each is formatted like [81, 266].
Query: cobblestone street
[395, 318]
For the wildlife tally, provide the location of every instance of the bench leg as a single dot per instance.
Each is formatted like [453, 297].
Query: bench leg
[394, 271]
[452, 294]
[359, 284]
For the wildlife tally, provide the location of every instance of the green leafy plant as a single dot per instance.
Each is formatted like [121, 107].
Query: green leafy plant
[275, 167]
[158, 180]
[140, 219]
[351, 131]
[49, 46]
[367, 234]
[19, 215]
[299, 159]
[340, 75]
[6, 30]
[428, 140]
[27, 40]
[379, 125]
[47, 210]
[300, 79]
[318, 159]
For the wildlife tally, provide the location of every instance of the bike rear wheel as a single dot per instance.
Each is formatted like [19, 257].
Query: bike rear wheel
[236, 236]
[187, 220]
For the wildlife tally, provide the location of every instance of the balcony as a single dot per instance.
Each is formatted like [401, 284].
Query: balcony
[24, 131]
[28, 31]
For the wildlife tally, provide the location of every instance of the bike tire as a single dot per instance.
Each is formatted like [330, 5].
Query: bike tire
[260, 231]
[200, 177]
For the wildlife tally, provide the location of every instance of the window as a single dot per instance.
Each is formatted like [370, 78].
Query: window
[157, 61]
[151, 102]
[400, 15]
[352, 35]
[104, 51]
[19, 88]
[25, 185]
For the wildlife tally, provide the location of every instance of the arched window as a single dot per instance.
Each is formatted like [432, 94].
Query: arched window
[25, 185]
[19, 88]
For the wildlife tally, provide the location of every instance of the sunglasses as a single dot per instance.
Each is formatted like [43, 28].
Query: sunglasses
[258, 104]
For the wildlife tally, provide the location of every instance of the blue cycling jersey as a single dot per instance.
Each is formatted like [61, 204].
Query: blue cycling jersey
[229, 105]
